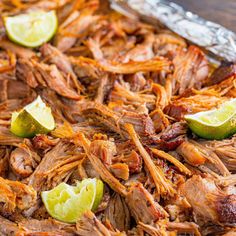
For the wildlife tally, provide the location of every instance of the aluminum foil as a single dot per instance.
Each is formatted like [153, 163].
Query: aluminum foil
[214, 38]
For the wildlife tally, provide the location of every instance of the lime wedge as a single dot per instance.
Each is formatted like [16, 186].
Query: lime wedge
[35, 118]
[214, 124]
[99, 191]
[67, 203]
[32, 29]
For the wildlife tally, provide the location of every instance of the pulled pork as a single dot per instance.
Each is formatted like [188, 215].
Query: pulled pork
[118, 89]
[216, 206]
[15, 196]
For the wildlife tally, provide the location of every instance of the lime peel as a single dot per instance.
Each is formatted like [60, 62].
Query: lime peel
[31, 29]
[35, 118]
[99, 194]
[214, 124]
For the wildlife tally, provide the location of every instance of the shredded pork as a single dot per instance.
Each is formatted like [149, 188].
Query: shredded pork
[118, 89]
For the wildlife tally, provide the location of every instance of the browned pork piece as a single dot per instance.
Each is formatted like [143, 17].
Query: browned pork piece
[172, 160]
[19, 51]
[40, 74]
[170, 228]
[4, 155]
[163, 185]
[171, 137]
[23, 161]
[227, 87]
[90, 225]
[191, 70]
[54, 56]
[46, 5]
[10, 105]
[31, 227]
[141, 52]
[122, 92]
[13, 89]
[127, 154]
[95, 151]
[223, 72]
[43, 142]
[142, 205]
[185, 227]
[118, 214]
[75, 25]
[195, 153]
[193, 104]
[7, 65]
[150, 229]
[228, 183]
[225, 150]
[116, 121]
[8, 227]
[46, 227]
[165, 38]
[191, 154]
[7, 138]
[56, 166]
[155, 64]
[15, 196]
[230, 233]
[210, 203]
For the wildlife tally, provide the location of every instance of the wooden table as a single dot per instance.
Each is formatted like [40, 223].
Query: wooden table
[220, 11]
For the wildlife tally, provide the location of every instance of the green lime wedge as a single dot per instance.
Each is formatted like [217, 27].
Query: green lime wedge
[35, 118]
[32, 29]
[214, 124]
[67, 203]
[99, 191]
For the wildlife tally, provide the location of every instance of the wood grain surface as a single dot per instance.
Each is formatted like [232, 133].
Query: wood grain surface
[220, 11]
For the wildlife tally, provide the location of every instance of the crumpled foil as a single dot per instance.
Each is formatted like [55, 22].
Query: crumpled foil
[214, 38]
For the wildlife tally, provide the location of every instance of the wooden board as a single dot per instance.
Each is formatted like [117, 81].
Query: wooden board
[220, 11]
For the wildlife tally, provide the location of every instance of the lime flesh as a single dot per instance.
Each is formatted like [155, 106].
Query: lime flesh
[214, 124]
[68, 203]
[32, 29]
[35, 118]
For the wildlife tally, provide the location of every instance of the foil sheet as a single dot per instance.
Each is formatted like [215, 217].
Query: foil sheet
[214, 38]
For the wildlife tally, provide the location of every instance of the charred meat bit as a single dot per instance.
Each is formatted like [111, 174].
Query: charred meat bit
[223, 72]
[171, 137]
[215, 205]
